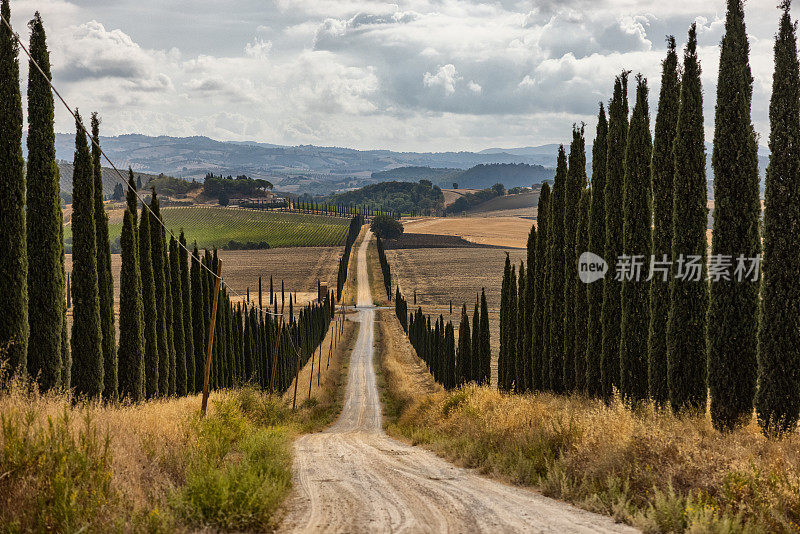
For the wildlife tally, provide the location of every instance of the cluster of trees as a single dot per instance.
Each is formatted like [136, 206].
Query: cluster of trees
[470, 200]
[225, 187]
[352, 234]
[401, 197]
[449, 364]
[385, 268]
[165, 303]
[655, 332]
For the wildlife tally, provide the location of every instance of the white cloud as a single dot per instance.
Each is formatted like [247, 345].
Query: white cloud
[474, 87]
[446, 78]
[259, 48]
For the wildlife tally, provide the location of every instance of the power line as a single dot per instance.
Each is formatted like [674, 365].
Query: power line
[96, 143]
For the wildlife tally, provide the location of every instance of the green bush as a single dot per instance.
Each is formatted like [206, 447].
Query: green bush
[386, 227]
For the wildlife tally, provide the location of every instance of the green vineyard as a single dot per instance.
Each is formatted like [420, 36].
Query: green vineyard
[216, 227]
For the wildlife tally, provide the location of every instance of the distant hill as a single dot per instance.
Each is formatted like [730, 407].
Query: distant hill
[508, 174]
[110, 178]
[414, 174]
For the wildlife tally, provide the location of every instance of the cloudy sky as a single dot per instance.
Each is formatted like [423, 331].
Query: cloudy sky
[423, 75]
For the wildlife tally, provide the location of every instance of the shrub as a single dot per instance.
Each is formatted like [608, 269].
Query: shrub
[386, 227]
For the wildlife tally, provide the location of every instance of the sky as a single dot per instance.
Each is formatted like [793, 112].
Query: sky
[416, 75]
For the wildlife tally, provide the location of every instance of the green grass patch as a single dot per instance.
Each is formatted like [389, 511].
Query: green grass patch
[217, 226]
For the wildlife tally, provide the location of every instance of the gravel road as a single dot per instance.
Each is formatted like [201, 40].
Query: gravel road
[354, 478]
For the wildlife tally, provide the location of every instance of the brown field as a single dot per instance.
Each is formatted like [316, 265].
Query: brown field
[511, 232]
[520, 205]
[300, 268]
[451, 195]
[439, 275]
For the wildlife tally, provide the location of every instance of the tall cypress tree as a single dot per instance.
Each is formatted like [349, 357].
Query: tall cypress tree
[44, 223]
[131, 316]
[530, 302]
[186, 295]
[635, 323]
[540, 311]
[733, 305]
[778, 399]
[157, 257]
[464, 355]
[686, 326]
[662, 172]
[105, 280]
[556, 273]
[611, 313]
[198, 320]
[14, 259]
[519, 353]
[87, 335]
[581, 305]
[597, 243]
[177, 317]
[576, 182]
[475, 364]
[131, 198]
[485, 342]
[502, 358]
[149, 306]
[169, 315]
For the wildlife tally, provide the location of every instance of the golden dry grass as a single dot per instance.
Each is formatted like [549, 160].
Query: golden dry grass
[509, 232]
[646, 467]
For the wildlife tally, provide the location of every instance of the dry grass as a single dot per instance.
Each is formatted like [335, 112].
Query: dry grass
[501, 231]
[402, 376]
[647, 468]
[376, 285]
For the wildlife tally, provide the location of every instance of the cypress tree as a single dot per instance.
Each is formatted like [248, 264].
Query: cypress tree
[686, 326]
[44, 224]
[662, 172]
[556, 274]
[778, 399]
[530, 303]
[130, 197]
[169, 314]
[635, 325]
[540, 312]
[581, 305]
[485, 345]
[149, 306]
[14, 259]
[105, 280]
[464, 355]
[177, 318]
[198, 327]
[186, 295]
[597, 240]
[475, 350]
[519, 330]
[576, 182]
[131, 316]
[157, 256]
[87, 335]
[610, 314]
[505, 328]
[733, 305]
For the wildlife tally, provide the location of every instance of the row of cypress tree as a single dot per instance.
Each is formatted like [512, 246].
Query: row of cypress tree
[386, 269]
[352, 234]
[165, 305]
[324, 208]
[449, 364]
[649, 332]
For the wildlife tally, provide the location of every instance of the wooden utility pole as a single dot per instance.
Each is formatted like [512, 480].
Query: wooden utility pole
[211, 339]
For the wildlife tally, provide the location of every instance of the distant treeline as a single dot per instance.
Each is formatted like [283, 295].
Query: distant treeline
[404, 197]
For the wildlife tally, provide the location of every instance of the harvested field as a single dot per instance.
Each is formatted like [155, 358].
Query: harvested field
[439, 275]
[522, 204]
[430, 241]
[451, 195]
[510, 232]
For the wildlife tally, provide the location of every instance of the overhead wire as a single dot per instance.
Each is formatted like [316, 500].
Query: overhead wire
[121, 178]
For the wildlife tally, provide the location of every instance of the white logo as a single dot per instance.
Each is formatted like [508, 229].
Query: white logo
[591, 267]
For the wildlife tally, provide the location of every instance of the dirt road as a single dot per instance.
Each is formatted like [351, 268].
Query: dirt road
[353, 478]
